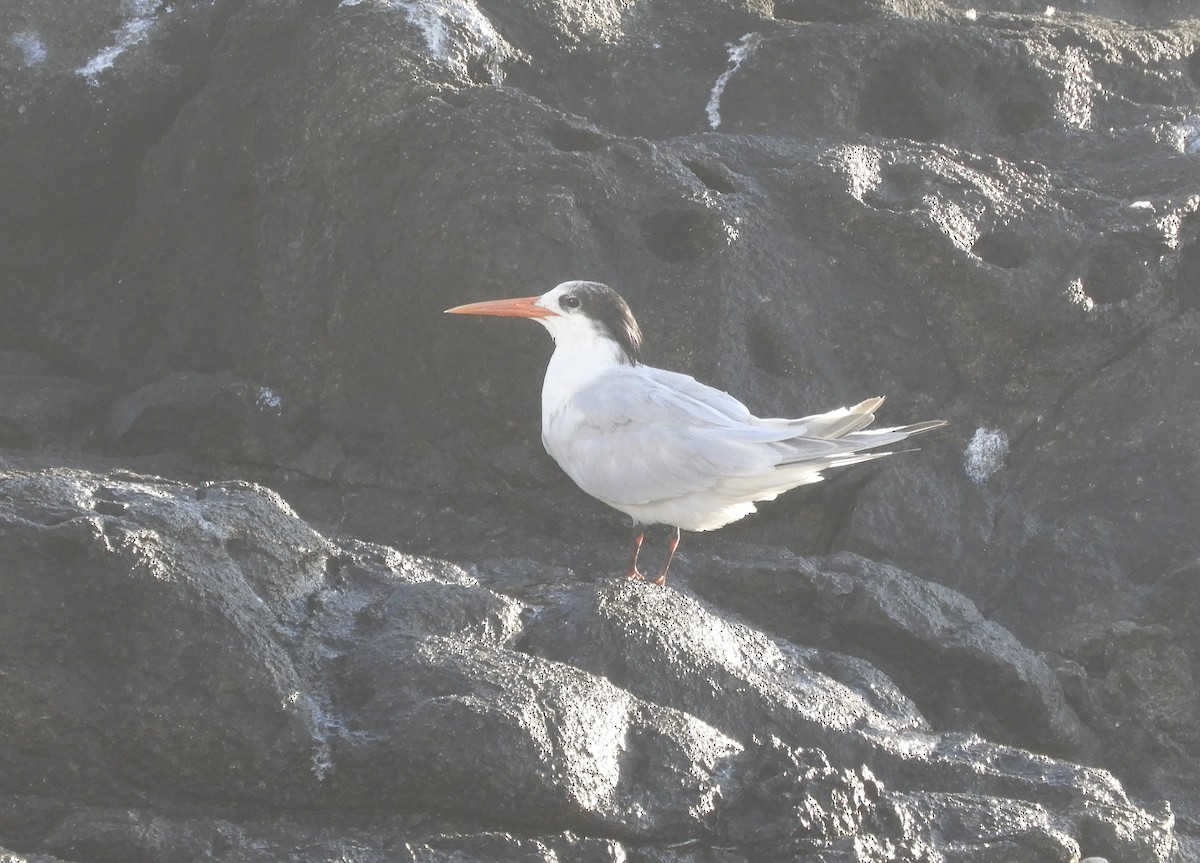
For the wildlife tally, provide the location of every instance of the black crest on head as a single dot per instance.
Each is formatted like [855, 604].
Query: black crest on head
[610, 311]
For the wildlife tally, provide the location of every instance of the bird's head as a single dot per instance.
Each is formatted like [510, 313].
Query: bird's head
[574, 313]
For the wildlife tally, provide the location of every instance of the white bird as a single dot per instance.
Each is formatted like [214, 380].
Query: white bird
[660, 446]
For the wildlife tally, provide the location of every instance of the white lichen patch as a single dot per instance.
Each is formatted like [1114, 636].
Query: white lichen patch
[269, 400]
[32, 48]
[985, 454]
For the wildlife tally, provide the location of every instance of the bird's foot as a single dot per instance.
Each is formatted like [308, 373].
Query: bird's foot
[635, 575]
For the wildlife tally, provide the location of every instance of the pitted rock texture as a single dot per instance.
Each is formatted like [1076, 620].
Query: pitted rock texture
[232, 227]
[168, 645]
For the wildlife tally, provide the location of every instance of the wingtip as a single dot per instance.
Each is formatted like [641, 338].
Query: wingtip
[928, 425]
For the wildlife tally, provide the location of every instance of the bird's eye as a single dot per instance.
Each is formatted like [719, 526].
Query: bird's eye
[571, 302]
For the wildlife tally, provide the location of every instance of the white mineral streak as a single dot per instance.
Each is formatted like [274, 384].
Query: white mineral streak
[738, 52]
[138, 22]
[456, 34]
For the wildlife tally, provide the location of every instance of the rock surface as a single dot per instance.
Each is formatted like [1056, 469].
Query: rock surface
[170, 645]
[280, 539]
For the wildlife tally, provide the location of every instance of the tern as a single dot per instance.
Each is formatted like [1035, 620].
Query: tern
[660, 446]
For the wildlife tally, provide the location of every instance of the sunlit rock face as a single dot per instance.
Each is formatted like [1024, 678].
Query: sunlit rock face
[188, 665]
[242, 446]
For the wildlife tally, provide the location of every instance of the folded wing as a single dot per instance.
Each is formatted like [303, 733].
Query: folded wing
[639, 437]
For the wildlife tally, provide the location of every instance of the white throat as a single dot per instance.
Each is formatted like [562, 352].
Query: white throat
[582, 352]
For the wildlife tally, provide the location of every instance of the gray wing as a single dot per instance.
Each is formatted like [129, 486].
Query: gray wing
[640, 435]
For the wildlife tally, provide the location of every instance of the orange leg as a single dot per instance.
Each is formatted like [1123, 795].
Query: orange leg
[672, 544]
[639, 533]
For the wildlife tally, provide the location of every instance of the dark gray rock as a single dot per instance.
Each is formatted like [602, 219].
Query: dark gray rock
[739, 680]
[534, 744]
[99, 834]
[1135, 681]
[204, 648]
[88, 89]
[843, 252]
[985, 211]
[961, 670]
[133, 667]
[40, 409]
[200, 414]
[793, 691]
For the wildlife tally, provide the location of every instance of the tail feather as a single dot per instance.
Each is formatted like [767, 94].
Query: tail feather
[817, 443]
[790, 475]
[805, 450]
[841, 422]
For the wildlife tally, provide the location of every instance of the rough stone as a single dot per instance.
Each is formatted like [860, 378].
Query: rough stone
[203, 647]
[985, 211]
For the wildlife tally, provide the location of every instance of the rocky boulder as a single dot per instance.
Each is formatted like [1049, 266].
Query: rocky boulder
[233, 227]
[172, 646]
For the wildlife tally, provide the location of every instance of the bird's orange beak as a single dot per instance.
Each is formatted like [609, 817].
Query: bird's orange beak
[521, 307]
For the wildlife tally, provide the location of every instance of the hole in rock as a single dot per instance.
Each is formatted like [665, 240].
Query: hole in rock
[1193, 66]
[714, 178]
[1117, 270]
[455, 98]
[682, 235]
[892, 106]
[334, 564]
[905, 180]
[1017, 116]
[483, 70]
[313, 604]
[1186, 285]
[575, 139]
[110, 507]
[900, 188]
[1001, 250]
